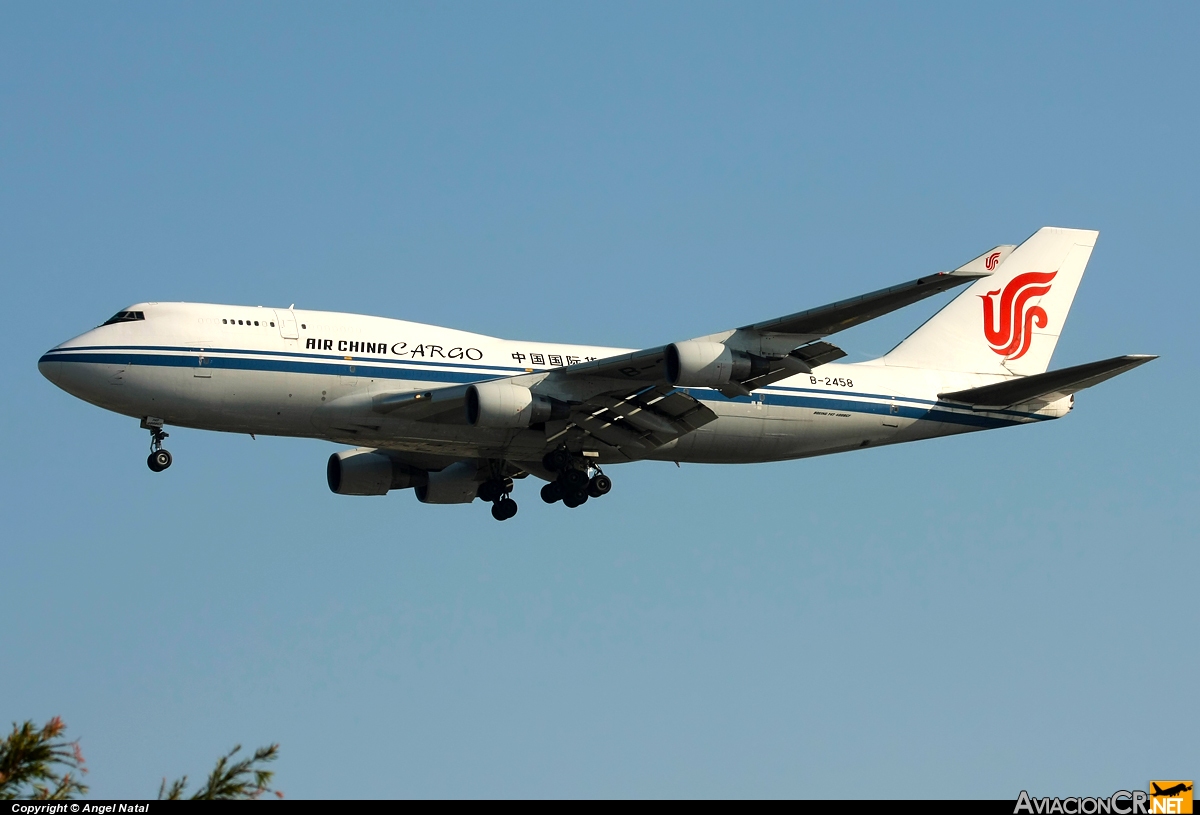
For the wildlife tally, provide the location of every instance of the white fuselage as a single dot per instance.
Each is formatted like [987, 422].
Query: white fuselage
[306, 373]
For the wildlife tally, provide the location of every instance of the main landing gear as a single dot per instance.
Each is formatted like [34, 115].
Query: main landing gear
[497, 491]
[159, 458]
[576, 481]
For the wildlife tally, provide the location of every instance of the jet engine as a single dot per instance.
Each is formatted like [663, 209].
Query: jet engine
[457, 484]
[701, 364]
[363, 471]
[501, 403]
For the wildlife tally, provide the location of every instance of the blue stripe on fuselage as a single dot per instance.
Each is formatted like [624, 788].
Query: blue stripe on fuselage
[206, 350]
[423, 371]
[345, 368]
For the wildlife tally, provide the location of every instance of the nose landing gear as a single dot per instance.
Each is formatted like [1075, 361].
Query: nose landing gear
[576, 482]
[159, 459]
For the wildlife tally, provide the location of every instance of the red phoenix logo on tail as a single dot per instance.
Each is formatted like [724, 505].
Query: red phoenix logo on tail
[1010, 331]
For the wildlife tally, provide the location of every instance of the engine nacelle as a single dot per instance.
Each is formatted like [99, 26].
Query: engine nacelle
[362, 471]
[701, 364]
[457, 484]
[500, 403]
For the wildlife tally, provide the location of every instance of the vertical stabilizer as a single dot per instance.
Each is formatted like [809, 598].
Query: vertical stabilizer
[1007, 323]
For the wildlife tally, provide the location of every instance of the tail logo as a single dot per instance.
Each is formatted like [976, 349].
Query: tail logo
[1009, 323]
[991, 260]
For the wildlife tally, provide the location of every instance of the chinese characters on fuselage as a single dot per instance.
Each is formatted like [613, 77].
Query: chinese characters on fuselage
[553, 360]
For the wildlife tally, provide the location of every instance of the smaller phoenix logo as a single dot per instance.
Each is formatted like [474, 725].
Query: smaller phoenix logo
[990, 262]
[1008, 325]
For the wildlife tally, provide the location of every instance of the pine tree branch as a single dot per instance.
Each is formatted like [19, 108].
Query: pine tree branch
[32, 759]
[240, 780]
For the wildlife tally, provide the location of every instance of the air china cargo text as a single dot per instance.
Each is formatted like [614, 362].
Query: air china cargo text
[396, 349]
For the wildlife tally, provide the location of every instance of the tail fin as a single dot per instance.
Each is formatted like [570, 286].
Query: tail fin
[1024, 304]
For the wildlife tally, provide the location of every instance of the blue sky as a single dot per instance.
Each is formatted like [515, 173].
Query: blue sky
[965, 617]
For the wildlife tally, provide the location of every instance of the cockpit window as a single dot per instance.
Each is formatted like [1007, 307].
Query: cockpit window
[126, 317]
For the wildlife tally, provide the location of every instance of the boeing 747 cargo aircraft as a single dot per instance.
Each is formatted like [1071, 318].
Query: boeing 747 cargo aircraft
[458, 417]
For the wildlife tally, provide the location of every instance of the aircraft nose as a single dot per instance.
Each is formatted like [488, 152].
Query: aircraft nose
[50, 368]
[66, 370]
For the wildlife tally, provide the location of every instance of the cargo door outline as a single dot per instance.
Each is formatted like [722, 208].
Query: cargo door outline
[288, 328]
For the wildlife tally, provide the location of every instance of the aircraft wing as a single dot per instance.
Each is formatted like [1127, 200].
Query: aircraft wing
[835, 317]
[1047, 387]
[635, 402]
[634, 421]
[638, 401]
[781, 347]
[630, 418]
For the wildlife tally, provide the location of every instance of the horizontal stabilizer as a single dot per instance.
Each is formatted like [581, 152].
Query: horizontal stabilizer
[1047, 387]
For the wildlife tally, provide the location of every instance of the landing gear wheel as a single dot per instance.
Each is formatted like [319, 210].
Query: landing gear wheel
[574, 498]
[552, 492]
[159, 460]
[600, 485]
[557, 461]
[504, 509]
[576, 479]
[491, 491]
